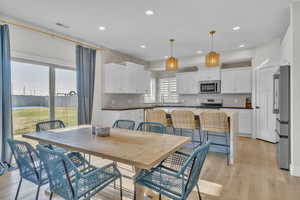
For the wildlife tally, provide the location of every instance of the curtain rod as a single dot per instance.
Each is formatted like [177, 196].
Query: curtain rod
[51, 34]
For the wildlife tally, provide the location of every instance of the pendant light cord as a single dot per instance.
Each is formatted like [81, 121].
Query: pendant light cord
[171, 46]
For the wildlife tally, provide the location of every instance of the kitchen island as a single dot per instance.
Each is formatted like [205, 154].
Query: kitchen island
[110, 114]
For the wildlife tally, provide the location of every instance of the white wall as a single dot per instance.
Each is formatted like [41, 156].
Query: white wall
[239, 55]
[295, 91]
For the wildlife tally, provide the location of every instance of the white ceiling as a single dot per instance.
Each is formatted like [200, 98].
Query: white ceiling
[188, 21]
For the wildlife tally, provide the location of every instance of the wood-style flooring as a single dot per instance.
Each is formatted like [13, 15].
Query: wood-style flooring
[254, 176]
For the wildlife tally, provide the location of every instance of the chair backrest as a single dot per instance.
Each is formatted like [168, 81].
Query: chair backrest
[61, 171]
[192, 168]
[216, 121]
[48, 125]
[183, 119]
[151, 127]
[124, 124]
[27, 159]
[159, 116]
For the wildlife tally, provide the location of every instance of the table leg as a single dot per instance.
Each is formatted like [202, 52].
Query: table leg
[140, 191]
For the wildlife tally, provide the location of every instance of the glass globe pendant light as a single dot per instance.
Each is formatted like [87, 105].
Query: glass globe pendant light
[171, 62]
[212, 59]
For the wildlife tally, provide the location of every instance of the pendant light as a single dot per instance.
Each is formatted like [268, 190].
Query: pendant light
[172, 62]
[212, 59]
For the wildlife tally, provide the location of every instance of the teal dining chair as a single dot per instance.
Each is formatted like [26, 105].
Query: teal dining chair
[70, 183]
[29, 164]
[151, 127]
[175, 183]
[124, 124]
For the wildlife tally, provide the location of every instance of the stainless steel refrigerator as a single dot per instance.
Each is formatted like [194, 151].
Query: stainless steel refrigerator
[281, 107]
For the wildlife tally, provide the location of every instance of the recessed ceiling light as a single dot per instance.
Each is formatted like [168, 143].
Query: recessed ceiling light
[102, 28]
[242, 45]
[143, 46]
[199, 52]
[149, 12]
[236, 28]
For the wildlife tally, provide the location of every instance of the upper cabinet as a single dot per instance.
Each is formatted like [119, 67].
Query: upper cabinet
[187, 83]
[238, 80]
[126, 79]
[208, 73]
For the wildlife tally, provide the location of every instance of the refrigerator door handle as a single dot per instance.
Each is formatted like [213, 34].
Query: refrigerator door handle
[275, 93]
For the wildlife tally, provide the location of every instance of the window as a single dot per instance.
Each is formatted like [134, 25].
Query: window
[66, 96]
[150, 96]
[168, 90]
[41, 93]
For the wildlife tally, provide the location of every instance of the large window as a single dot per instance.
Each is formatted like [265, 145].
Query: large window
[168, 90]
[42, 93]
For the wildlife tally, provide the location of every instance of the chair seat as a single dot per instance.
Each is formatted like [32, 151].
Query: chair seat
[97, 178]
[162, 180]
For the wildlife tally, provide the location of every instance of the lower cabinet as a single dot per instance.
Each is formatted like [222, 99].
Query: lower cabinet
[108, 117]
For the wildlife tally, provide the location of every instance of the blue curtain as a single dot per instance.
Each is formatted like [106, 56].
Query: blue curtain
[85, 65]
[5, 93]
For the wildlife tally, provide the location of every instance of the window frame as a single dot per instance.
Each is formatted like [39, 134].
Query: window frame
[171, 95]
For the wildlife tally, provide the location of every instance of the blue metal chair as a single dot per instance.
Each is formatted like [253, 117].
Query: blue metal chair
[124, 124]
[175, 183]
[48, 125]
[29, 164]
[151, 127]
[71, 183]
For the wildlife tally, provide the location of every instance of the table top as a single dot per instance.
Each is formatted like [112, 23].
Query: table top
[141, 149]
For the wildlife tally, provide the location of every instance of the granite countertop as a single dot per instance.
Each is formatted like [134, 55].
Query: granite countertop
[151, 106]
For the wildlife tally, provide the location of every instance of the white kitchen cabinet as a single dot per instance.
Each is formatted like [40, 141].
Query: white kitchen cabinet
[208, 73]
[126, 79]
[236, 80]
[245, 121]
[187, 83]
[108, 117]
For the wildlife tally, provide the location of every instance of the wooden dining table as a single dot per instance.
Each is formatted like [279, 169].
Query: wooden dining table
[143, 150]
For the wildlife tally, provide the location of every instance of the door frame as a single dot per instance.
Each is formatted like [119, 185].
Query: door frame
[255, 95]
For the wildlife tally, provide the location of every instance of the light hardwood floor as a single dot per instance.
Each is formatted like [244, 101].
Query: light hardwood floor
[254, 176]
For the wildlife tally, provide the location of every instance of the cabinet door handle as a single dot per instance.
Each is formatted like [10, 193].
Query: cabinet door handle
[257, 107]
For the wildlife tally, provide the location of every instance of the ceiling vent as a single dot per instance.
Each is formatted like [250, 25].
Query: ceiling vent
[245, 63]
[62, 25]
[187, 69]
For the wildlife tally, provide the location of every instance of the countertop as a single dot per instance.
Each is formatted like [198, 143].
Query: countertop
[120, 108]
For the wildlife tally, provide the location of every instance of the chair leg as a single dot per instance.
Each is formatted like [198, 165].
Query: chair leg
[51, 195]
[18, 190]
[37, 193]
[159, 196]
[121, 192]
[228, 149]
[199, 194]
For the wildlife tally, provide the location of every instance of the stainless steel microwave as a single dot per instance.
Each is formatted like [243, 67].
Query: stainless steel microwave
[210, 87]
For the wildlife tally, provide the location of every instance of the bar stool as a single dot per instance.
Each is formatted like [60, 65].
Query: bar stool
[159, 116]
[185, 122]
[215, 125]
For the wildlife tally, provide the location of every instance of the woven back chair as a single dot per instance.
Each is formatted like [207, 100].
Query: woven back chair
[159, 116]
[151, 127]
[185, 122]
[216, 121]
[124, 124]
[29, 164]
[184, 119]
[176, 184]
[71, 184]
[48, 125]
[215, 124]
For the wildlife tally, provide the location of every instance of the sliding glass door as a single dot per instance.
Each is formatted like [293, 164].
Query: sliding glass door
[66, 96]
[30, 96]
[42, 92]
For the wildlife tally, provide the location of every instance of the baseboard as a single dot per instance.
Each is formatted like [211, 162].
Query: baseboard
[295, 170]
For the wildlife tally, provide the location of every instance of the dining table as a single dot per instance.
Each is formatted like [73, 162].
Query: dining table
[142, 150]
